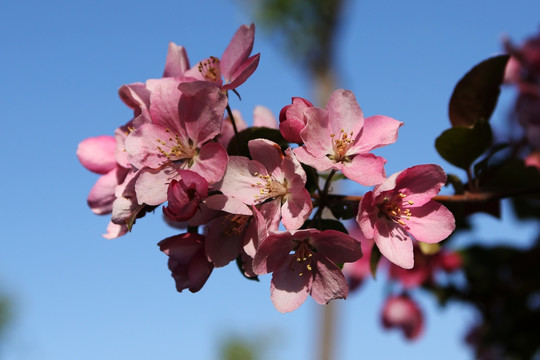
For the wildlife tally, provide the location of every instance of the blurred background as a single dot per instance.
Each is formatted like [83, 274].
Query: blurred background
[67, 293]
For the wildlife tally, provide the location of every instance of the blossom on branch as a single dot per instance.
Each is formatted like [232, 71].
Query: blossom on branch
[303, 263]
[273, 179]
[401, 208]
[339, 138]
[235, 66]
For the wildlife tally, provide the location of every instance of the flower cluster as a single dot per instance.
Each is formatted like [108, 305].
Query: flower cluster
[183, 150]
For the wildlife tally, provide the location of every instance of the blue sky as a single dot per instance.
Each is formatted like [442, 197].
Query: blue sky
[79, 296]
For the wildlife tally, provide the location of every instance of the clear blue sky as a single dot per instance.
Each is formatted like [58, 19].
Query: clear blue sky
[79, 296]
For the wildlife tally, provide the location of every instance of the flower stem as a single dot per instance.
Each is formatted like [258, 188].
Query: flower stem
[235, 129]
[323, 195]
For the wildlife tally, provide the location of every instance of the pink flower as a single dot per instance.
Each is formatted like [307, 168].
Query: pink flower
[292, 120]
[273, 178]
[185, 195]
[235, 232]
[236, 64]
[177, 137]
[401, 207]
[303, 263]
[188, 264]
[403, 313]
[97, 154]
[339, 138]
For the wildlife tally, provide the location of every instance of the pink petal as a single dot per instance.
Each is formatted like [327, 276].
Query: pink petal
[114, 231]
[344, 113]
[421, 183]
[296, 209]
[431, 222]
[338, 247]
[394, 244]
[367, 215]
[237, 51]
[152, 184]
[177, 62]
[272, 252]
[227, 204]
[243, 72]
[164, 99]
[97, 154]
[144, 146]
[263, 117]
[328, 282]
[365, 169]
[222, 244]
[378, 131]
[238, 178]
[321, 163]
[316, 133]
[101, 197]
[136, 96]
[211, 162]
[288, 288]
[266, 152]
[202, 114]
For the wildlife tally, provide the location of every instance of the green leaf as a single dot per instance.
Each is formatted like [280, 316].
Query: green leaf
[476, 94]
[239, 145]
[461, 146]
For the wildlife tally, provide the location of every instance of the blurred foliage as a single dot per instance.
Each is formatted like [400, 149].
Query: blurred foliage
[238, 349]
[502, 284]
[304, 28]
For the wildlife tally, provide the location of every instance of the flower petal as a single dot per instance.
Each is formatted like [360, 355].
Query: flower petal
[237, 51]
[177, 62]
[394, 244]
[329, 283]
[431, 222]
[97, 153]
[288, 288]
[366, 169]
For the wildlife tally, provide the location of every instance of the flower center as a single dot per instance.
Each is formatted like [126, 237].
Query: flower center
[210, 69]
[302, 257]
[235, 224]
[269, 188]
[341, 144]
[395, 208]
[175, 149]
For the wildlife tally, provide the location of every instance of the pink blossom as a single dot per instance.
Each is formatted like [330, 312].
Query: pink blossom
[292, 119]
[185, 195]
[177, 137]
[401, 207]
[236, 64]
[273, 178]
[188, 264]
[233, 233]
[403, 313]
[339, 138]
[303, 263]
